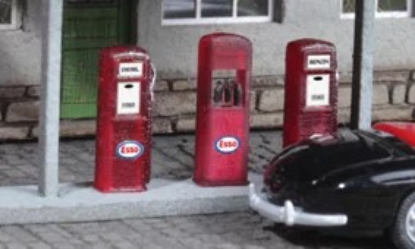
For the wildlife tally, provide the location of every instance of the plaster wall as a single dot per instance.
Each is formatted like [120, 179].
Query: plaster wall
[20, 49]
[174, 48]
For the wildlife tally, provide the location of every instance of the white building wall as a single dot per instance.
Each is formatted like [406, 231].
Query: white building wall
[20, 50]
[174, 48]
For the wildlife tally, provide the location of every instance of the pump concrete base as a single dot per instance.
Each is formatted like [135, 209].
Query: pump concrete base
[80, 202]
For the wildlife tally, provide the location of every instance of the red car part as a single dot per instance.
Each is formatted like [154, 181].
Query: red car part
[405, 131]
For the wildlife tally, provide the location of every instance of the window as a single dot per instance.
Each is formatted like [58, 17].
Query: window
[385, 8]
[8, 14]
[216, 11]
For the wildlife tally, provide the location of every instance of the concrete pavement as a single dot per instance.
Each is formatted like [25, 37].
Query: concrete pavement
[225, 231]
[172, 159]
[168, 192]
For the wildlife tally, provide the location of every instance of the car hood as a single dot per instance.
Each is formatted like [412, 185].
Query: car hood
[350, 153]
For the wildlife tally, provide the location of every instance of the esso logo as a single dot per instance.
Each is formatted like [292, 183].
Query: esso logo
[130, 150]
[227, 145]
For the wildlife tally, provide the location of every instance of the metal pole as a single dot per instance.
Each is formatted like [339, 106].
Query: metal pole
[50, 97]
[362, 85]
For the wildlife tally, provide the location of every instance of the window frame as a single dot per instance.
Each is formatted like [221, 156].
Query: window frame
[389, 14]
[15, 17]
[218, 20]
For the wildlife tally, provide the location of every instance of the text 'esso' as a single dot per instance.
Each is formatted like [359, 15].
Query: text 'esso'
[227, 145]
[130, 150]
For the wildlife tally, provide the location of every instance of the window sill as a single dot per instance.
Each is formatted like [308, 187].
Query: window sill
[391, 15]
[207, 21]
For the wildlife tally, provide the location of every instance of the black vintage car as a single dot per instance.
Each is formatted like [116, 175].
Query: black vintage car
[354, 181]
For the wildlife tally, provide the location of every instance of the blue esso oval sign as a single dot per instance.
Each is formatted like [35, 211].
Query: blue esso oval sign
[227, 145]
[130, 150]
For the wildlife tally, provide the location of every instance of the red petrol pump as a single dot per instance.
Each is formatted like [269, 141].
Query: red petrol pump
[123, 141]
[222, 124]
[311, 86]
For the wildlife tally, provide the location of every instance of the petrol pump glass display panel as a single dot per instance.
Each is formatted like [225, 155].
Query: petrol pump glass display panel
[179, 9]
[226, 91]
[5, 11]
[318, 85]
[318, 90]
[217, 8]
[128, 98]
[253, 7]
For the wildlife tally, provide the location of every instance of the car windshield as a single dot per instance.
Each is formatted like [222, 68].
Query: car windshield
[394, 144]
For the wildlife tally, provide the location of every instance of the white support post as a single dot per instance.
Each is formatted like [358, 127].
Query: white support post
[362, 85]
[52, 11]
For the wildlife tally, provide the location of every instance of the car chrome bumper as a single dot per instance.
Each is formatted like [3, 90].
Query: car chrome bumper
[290, 215]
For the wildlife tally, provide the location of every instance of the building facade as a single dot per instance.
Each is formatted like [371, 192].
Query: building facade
[170, 30]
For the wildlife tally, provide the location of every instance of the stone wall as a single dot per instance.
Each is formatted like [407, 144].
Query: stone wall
[175, 105]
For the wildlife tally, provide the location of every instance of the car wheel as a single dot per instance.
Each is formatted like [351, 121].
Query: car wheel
[403, 230]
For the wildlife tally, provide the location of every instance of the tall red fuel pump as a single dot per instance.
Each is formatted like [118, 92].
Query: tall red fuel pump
[311, 87]
[123, 141]
[222, 126]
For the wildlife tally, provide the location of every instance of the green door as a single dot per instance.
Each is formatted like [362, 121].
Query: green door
[90, 25]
